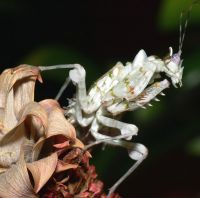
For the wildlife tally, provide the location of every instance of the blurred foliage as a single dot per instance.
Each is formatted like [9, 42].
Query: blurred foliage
[193, 146]
[151, 113]
[169, 13]
[192, 70]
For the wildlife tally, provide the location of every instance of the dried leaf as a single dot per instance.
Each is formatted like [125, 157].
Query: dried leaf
[42, 170]
[96, 187]
[62, 166]
[62, 145]
[78, 144]
[15, 182]
[36, 119]
[11, 145]
[33, 120]
[58, 129]
[49, 104]
[72, 154]
[16, 90]
[24, 85]
[58, 125]
[2, 169]
[27, 148]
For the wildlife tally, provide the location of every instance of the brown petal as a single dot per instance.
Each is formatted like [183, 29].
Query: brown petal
[33, 122]
[62, 166]
[49, 104]
[36, 121]
[27, 147]
[42, 170]
[23, 84]
[78, 144]
[36, 118]
[62, 145]
[11, 145]
[72, 154]
[8, 118]
[96, 187]
[16, 90]
[2, 169]
[5, 79]
[58, 125]
[15, 182]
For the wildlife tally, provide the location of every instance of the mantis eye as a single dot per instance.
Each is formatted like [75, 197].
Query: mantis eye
[176, 59]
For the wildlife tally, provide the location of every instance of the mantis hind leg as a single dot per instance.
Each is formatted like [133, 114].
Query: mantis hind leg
[136, 151]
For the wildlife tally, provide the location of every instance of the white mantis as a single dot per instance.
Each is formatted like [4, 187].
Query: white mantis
[123, 88]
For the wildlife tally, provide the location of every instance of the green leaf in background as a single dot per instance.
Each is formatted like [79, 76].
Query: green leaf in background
[192, 70]
[169, 13]
[193, 147]
[151, 113]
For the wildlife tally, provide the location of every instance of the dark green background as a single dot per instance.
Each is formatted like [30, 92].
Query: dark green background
[97, 34]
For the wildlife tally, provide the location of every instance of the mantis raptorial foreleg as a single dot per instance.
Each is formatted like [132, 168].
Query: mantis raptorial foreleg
[144, 98]
[83, 121]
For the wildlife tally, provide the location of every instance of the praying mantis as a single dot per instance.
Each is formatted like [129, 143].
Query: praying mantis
[123, 88]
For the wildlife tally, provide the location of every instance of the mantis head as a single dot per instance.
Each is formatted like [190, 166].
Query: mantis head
[173, 67]
[173, 62]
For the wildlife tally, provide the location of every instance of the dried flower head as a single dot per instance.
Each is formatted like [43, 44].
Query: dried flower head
[40, 155]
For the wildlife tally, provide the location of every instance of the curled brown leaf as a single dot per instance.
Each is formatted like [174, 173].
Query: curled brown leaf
[42, 170]
[16, 89]
[15, 182]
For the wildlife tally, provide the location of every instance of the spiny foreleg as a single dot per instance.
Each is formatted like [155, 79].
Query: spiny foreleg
[144, 98]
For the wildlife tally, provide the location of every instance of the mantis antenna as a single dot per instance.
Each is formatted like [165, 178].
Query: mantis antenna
[182, 32]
